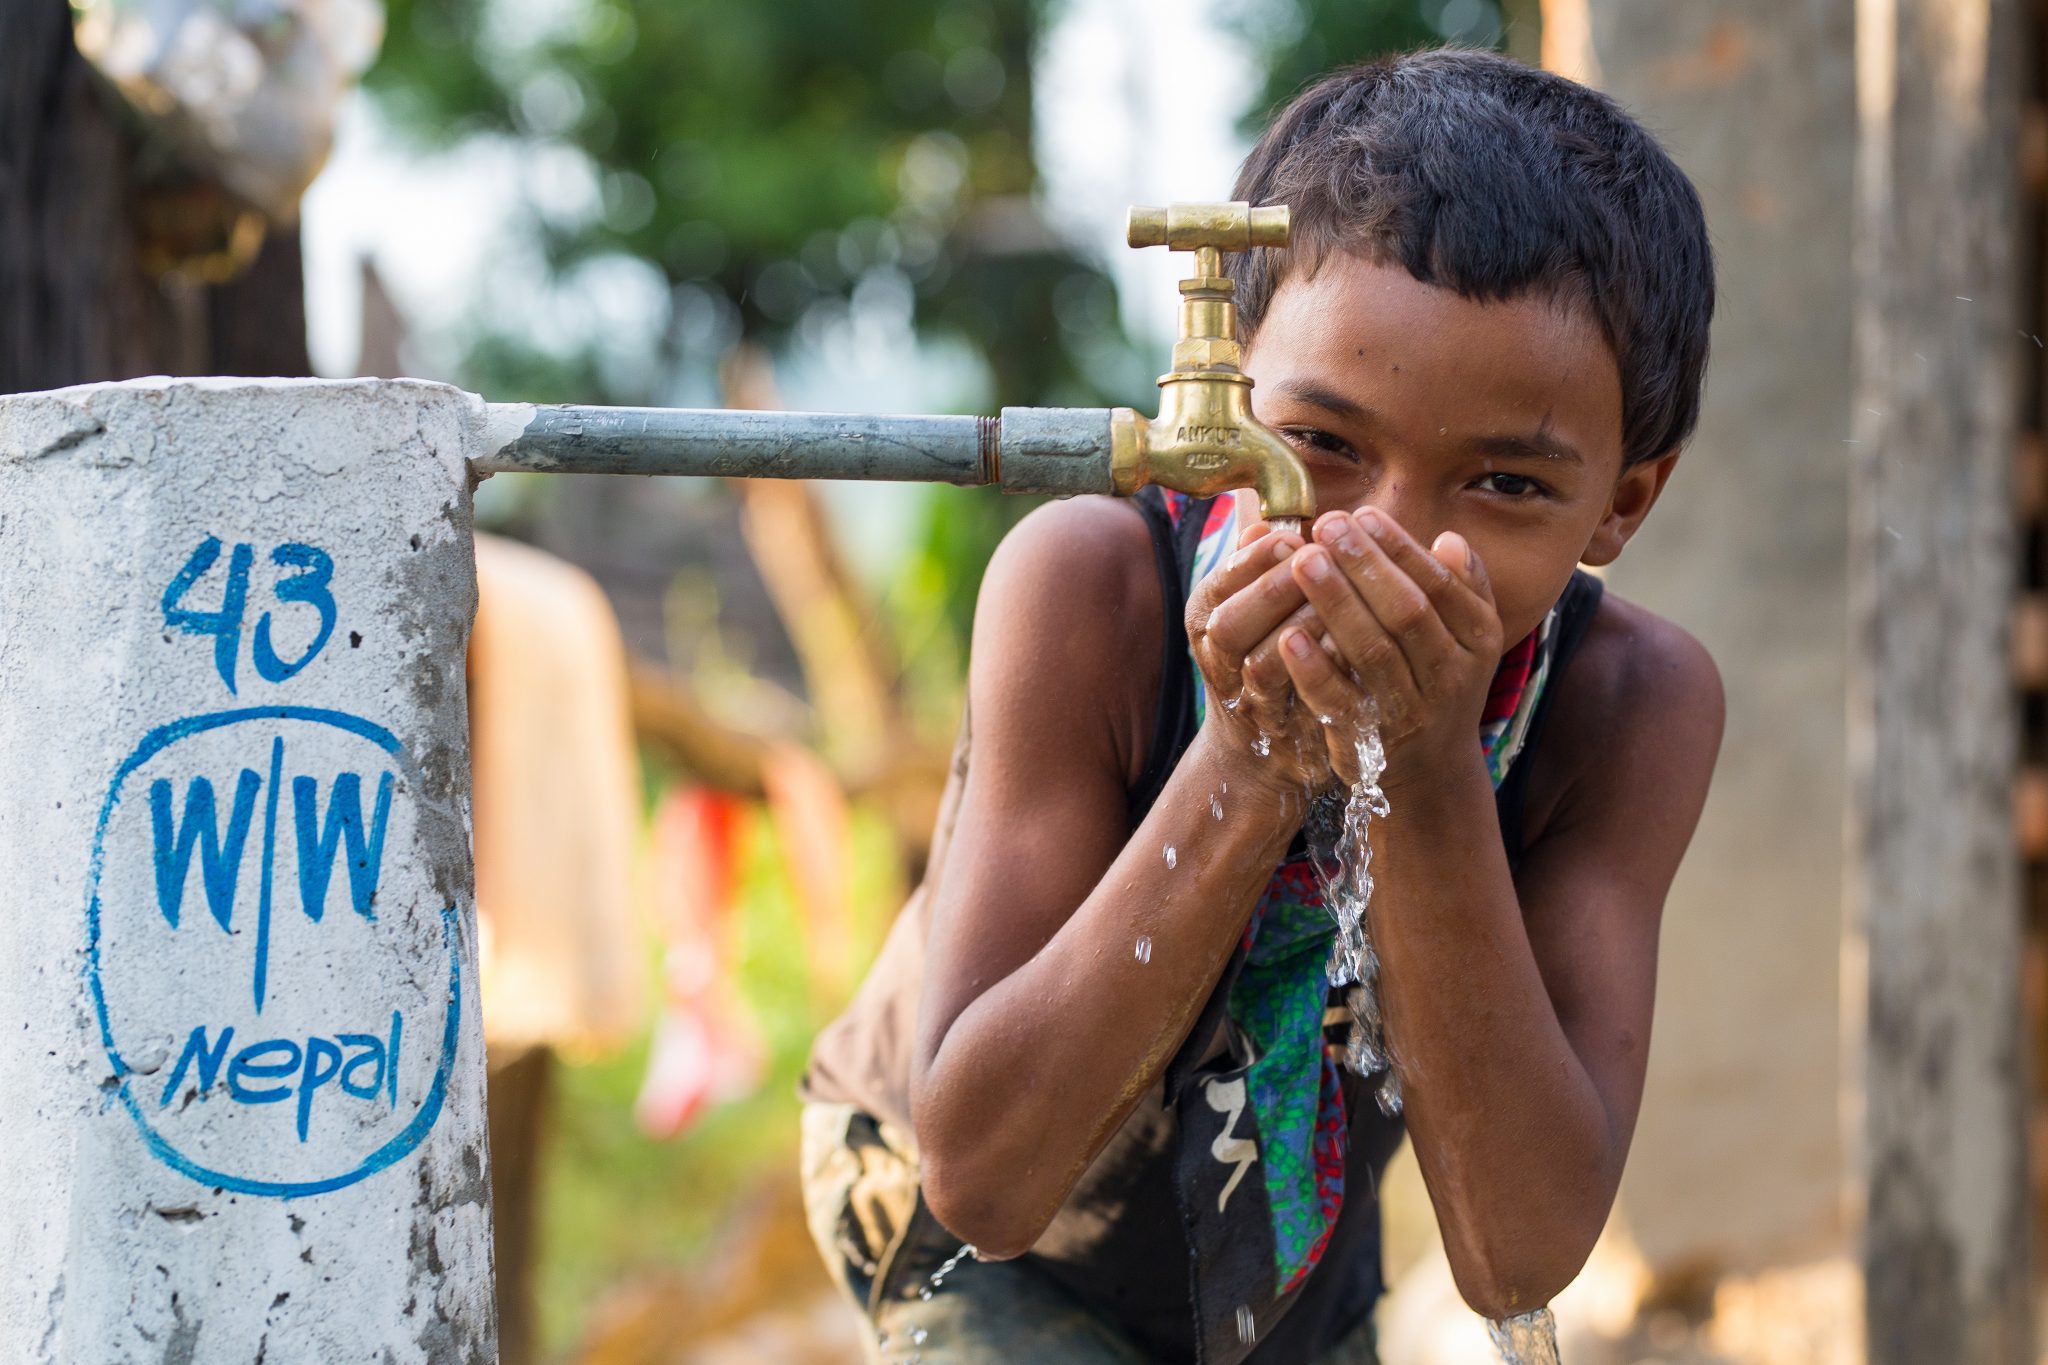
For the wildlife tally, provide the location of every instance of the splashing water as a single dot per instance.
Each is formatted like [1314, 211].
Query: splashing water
[1247, 1326]
[1172, 858]
[1145, 948]
[1263, 745]
[938, 1279]
[1340, 843]
[1527, 1339]
[1341, 846]
[1285, 526]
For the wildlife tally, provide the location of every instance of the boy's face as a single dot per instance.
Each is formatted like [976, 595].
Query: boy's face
[1499, 421]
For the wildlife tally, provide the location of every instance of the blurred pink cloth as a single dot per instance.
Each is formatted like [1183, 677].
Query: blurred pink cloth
[556, 810]
[706, 1049]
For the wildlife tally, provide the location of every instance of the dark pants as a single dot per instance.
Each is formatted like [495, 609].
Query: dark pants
[883, 1246]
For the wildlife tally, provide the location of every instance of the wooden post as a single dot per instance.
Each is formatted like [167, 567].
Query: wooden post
[1934, 926]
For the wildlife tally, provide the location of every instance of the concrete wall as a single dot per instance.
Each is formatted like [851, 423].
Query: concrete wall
[1739, 1158]
[241, 1076]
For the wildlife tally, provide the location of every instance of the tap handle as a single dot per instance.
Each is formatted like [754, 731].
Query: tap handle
[1235, 226]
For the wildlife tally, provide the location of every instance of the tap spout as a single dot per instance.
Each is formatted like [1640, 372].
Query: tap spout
[1205, 441]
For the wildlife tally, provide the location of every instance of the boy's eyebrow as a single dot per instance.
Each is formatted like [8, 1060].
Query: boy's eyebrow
[1542, 443]
[1308, 391]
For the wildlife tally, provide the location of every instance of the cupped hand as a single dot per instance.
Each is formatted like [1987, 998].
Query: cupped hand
[1236, 618]
[1414, 630]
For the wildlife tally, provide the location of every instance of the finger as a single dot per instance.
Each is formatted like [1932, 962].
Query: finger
[1241, 569]
[1400, 604]
[1469, 617]
[1237, 625]
[1324, 689]
[1368, 645]
[1264, 657]
[1264, 672]
[1245, 567]
[1456, 553]
[1252, 533]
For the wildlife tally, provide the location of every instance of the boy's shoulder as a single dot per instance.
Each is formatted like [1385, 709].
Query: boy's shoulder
[1093, 538]
[1639, 709]
[1079, 565]
[1632, 656]
[1070, 623]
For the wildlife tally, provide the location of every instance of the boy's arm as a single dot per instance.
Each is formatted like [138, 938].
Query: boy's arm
[1041, 1024]
[1519, 1010]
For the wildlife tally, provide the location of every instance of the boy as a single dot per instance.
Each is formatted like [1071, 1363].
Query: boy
[1094, 1046]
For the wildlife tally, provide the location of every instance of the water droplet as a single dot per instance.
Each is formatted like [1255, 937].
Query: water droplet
[1172, 858]
[1215, 806]
[1145, 948]
[1247, 1325]
[1263, 746]
[917, 1336]
[1232, 703]
[1226, 789]
[925, 1292]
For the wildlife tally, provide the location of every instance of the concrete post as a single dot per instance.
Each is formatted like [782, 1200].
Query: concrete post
[1738, 1163]
[241, 1073]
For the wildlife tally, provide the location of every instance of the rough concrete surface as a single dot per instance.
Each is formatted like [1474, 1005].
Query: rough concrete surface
[241, 1078]
[1738, 1162]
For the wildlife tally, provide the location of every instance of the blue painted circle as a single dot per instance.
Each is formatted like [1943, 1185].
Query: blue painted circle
[410, 1137]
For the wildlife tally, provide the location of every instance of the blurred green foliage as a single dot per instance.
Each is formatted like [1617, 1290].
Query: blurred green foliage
[769, 159]
[1296, 41]
[777, 164]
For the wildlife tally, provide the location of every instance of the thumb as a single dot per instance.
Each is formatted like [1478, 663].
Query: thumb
[1455, 553]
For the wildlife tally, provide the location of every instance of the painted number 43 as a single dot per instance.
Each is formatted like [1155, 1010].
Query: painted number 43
[308, 586]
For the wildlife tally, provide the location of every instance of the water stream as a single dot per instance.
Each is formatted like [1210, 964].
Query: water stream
[1340, 848]
[1339, 830]
[1527, 1339]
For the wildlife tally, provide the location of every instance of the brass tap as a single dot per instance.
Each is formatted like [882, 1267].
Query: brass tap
[1205, 440]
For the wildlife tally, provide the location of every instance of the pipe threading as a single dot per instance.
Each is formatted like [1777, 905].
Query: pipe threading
[989, 438]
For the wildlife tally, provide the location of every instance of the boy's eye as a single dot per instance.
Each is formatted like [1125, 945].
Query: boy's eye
[1309, 438]
[1512, 485]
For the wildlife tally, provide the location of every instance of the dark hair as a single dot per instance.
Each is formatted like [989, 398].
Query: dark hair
[1496, 180]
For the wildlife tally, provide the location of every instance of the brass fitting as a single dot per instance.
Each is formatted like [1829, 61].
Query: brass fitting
[1205, 440]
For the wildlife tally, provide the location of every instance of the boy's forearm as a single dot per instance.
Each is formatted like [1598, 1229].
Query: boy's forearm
[1512, 1136]
[1033, 1075]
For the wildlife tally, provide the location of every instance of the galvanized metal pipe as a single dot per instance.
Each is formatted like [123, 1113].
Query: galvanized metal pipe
[1026, 450]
